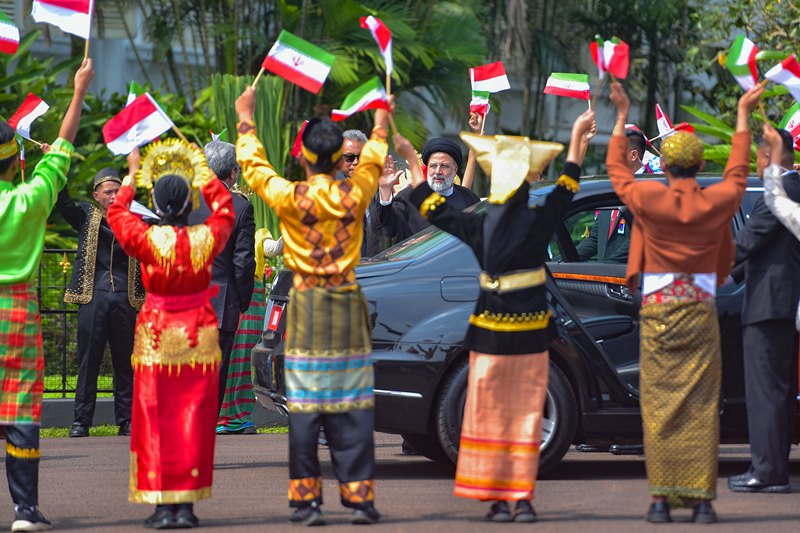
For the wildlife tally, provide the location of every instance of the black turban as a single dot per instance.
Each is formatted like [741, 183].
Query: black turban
[171, 198]
[107, 174]
[440, 144]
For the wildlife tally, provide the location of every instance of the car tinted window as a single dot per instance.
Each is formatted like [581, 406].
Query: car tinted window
[750, 197]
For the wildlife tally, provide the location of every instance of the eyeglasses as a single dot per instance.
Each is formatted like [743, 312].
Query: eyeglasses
[349, 158]
[444, 167]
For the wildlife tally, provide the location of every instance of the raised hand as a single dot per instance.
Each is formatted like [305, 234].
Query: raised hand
[475, 122]
[246, 105]
[382, 119]
[84, 76]
[620, 99]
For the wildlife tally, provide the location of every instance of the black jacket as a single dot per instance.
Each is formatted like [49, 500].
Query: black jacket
[611, 248]
[100, 263]
[768, 259]
[234, 268]
[506, 239]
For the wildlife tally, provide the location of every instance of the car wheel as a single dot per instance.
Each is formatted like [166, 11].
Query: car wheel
[558, 427]
[427, 447]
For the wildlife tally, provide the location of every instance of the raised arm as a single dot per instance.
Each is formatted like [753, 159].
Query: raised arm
[738, 166]
[69, 209]
[622, 178]
[129, 230]
[373, 157]
[784, 208]
[83, 77]
[476, 125]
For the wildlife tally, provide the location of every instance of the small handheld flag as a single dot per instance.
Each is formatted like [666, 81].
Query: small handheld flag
[569, 85]
[787, 73]
[741, 62]
[383, 36]
[616, 57]
[596, 49]
[663, 122]
[479, 103]
[139, 123]
[491, 78]
[32, 108]
[299, 62]
[791, 123]
[9, 35]
[370, 95]
[71, 16]
[134, 91]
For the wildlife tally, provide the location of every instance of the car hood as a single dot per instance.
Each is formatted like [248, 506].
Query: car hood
[380, 268]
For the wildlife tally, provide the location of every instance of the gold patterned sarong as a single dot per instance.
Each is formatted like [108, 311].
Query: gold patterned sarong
[498, 456]
[680, 386]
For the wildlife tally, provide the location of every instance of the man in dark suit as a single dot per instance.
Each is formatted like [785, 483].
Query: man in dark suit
[234, 268]
[768, 259]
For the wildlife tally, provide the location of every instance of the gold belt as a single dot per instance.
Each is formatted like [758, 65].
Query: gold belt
[514, 281]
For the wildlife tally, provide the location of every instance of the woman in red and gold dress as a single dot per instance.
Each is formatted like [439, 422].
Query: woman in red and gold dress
[176, 353]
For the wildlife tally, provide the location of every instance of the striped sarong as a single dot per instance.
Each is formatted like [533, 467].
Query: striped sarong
[22, 368]
[498, 455]
[328, 364]
[680, 385]
[239, 399]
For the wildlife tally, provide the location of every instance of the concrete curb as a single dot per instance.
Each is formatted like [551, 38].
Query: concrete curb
[58, 413]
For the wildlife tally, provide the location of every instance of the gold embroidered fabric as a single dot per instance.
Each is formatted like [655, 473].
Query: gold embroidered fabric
[682, 149]
[135, 298]
[430, 204]
[568, 183]
[172, 347]
[89, 261]
[162, 241]
[509, 322]
[201, 242]
[22, 453]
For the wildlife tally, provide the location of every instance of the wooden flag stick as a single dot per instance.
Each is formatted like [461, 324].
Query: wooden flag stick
[86, 50]
[392, 124]
[37, 143]
[596, 92]
[388, 84]
[483, 121]
[178, 132]
[258, 77]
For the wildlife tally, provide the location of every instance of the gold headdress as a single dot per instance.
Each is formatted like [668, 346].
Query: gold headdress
[9, 149]
[174, 156]
[682, 149]
[509, 160]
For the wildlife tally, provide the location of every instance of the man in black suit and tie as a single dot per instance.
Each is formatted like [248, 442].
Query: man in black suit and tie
[768, 259]
[234, 268]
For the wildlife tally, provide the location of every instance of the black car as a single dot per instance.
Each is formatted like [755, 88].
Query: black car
[421, 293]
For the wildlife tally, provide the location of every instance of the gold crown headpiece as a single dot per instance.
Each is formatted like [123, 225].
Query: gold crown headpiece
[9, 149]
[174, 156]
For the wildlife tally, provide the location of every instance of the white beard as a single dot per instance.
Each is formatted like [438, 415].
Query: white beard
[441, 186]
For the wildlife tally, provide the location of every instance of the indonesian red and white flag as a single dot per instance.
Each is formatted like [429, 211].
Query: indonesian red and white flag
[370, 95]
[137, 124]
[791, 123]
[616, 57]
[596, 49]
[9, 35]
[491, 78]
[741, 62]
[787, 73]
[71, 16]
[479, 103]
[32, 108]
[663, 123]
[299, 62]
[383, 36]
[569, 85]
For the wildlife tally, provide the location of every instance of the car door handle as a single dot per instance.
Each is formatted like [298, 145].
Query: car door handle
[619, 292]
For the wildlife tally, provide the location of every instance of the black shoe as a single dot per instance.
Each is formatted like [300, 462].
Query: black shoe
[658, 513]
[29, 518]
[124, 429]
[626, 449]
[185, 517]
[310, 515]
[524, 512]
[79, 430]
[739, 477]
[163, 518]
[367, 515]
[703, 513]
[407, 449]
[499, 512]
[751, 483]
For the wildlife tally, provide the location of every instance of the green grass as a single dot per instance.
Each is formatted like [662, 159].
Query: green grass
[111, 431]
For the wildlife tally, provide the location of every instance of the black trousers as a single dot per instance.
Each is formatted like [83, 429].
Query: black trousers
[22, 463]
[108, 318]
[351, 442]
[226, 339]
[770, 372]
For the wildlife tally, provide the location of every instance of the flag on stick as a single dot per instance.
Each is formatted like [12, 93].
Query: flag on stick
[791, 123]
[491, 78]
[299, 62]
[596, 49]
[32, 108]
[741, 62]
[479, 103]
[139, 123]
[9, 35]
[383, 36]
[71, 16]
[569, 85]
[370, 95]
[663, 123]
[683, 126]
[787, 73]
[616, 57]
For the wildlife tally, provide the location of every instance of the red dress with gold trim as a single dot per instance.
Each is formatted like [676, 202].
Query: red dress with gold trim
[176, 350]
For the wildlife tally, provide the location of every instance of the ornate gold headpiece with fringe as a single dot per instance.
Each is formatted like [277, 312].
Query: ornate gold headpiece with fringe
[509, 160]
[174, 156]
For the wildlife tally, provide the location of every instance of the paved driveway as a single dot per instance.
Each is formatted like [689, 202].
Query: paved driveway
[84, 486]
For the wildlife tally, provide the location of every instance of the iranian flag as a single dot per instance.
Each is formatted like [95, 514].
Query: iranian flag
[370, 95]
[134, 91]
[490, 78]
[616, 57]
[479, 103]
[569, 85]
[596, 49]
[741, 62]
[663, 123]
[299, 61]
[787, 73]
[71, 16]
[791, 123]
[32, 108]
[383, 36]
[9, 35]
[137, 124]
